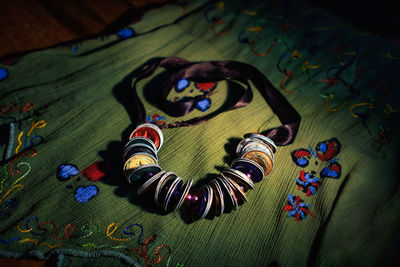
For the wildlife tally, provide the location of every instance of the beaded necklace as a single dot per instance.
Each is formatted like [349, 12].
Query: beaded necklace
[255, 153]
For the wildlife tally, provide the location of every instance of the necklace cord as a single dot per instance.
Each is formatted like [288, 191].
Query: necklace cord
[216, 71]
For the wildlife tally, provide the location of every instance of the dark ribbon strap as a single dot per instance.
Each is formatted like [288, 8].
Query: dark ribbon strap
[208, 71]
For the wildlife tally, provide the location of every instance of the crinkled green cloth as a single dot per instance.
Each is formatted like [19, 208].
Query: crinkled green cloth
[80, 114]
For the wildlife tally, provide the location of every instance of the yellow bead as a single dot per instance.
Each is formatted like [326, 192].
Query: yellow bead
[137, 161]
[262, 159]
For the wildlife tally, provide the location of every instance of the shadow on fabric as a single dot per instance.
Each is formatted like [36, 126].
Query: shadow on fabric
[112, 155]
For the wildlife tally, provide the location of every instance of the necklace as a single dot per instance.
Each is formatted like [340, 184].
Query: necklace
[255, 153]
[255, 161]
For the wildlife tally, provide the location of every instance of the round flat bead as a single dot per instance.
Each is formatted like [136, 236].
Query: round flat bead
[201, 204]
[200, 208]
[263, 138]
[166, 187]
[136, 161]
[229, 197]
[143, 172]
[255, 146]
[149, 183]
[249, 168]
[185, 194]
[243, 143]
[161, 187]
[150, 131]
[169, 192]
[218, 202]
[206, 201]
[173, 194]
[240, 195]
[140, 140]
[139, 148]
[239, 178]
[262, 159]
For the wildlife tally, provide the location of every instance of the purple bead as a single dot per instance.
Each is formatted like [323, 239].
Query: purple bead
[149, 174]
[202, 203]
[192, 198]
[196, 204]
[165, 189]
[251, 171]
[175, 195]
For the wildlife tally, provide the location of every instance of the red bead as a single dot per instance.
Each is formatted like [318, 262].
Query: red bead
[149, 133]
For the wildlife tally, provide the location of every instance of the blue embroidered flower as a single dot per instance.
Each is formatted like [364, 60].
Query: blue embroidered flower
[3, 74]
[84, 194]
[203, 105]
[66, 171]
[182, 85]
[325, 151]
[297, 208]
[156, 119]
[125, 33]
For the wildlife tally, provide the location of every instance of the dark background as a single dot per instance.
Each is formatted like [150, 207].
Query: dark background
[27, 25]
[380, 17]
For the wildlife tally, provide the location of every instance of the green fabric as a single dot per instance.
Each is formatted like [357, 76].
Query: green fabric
[83, 98]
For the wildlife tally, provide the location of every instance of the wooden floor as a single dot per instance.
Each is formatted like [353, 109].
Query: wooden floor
[24, 263]
[37, 24]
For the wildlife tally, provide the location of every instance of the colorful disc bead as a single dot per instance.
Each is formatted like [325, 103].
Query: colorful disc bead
[229, 196]
[162, 187]
[262, 138]
[218, 203]
[143, 172]
[136, 161]
[239, 177]
[149, 183]
[149, 131]
[140, 140]
[250, 168]
[262, 159]
[173, 194]
[181, 196]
